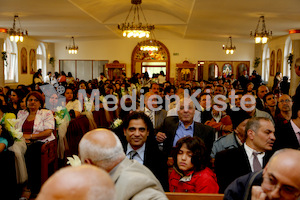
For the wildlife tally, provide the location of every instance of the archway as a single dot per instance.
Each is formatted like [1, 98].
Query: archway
[160, 56]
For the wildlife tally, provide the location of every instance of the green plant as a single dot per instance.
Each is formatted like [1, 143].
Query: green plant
[51, 60]
[290, 59]
[4, 57]
[256, 62]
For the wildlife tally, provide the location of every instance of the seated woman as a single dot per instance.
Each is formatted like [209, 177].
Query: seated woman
[191, 173]
[72, 104]
[37, 125]
[15, 100]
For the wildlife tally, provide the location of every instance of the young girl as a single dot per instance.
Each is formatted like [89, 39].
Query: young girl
[190, 173]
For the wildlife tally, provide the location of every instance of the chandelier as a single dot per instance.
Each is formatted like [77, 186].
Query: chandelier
[149, 44]
[262, 35]
[72, 48]
[17, 34]
[229, 49]
[136, 28]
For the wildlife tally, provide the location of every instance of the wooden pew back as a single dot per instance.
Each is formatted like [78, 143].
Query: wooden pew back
[193, 196]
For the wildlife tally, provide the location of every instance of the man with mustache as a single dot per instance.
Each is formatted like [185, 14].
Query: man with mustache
[251, 156]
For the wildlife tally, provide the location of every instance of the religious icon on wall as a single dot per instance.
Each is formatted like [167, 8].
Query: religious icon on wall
[272, 63]
[23, 61]
[32, 61]
[279, 59]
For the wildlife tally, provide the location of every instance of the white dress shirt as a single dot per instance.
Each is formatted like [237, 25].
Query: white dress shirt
[140, 153]
[249, 152]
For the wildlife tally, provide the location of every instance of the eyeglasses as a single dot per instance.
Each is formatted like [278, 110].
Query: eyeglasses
[288, 192]
[285, 101]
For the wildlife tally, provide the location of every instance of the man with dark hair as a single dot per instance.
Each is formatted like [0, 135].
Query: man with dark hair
[288, 136]
[271, 104]
[251, 156]
[154, 88]
[261, 91]
[139, 144]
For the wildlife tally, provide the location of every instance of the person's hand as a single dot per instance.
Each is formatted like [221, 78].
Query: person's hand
[160, 137]
[258, 193]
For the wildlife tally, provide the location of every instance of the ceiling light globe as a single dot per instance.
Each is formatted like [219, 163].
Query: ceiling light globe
[264, 40]
[12, 38]
[17, 38]
[21, 38]
[257, 40]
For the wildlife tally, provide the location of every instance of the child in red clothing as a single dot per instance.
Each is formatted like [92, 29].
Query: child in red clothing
[190, 173]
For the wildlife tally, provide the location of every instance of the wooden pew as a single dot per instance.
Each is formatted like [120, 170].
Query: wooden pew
[76, 129]
[49, 159]
[193, 196]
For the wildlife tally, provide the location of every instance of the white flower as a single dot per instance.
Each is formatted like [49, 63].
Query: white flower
[118, 122]
[88, 106]
[16, 133]
[13, 122]
[74, 162]
[59, 108]
[58, 120]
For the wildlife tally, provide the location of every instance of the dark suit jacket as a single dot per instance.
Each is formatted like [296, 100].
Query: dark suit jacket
[259, 104]
[238, 188]
[285, 137]
[159, 118]
[206, 133]
[154, 159]
[231, 164]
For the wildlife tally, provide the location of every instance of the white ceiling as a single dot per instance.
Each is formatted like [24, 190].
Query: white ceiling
[215, 20]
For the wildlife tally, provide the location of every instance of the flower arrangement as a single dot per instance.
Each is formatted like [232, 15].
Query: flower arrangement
[59, 115]
[16, 133]
[116, 123]
[87, 104]
[256, 62]
[74, 161]
[290, 59]
[4, 57]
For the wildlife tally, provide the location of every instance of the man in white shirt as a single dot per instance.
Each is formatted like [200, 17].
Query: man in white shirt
[252, 156]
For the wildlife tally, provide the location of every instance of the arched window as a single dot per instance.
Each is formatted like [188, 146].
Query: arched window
[266, 64]
[11, 66]
[287, 51]
[41, 59]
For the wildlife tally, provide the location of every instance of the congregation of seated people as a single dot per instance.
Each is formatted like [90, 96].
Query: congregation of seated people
[188, 136]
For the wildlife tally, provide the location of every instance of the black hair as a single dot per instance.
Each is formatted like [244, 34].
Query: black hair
[268, 94]
[200, 158]
[139, 115]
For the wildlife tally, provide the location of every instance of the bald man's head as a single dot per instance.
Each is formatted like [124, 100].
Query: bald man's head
[283, 168]
[85, 182]
[101, 147]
